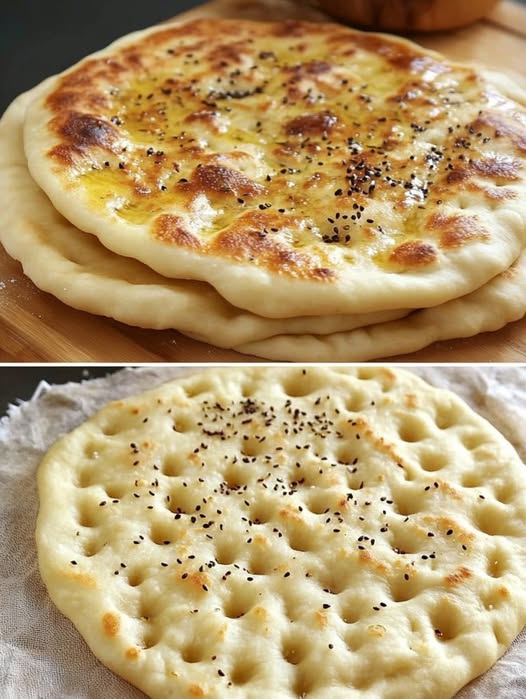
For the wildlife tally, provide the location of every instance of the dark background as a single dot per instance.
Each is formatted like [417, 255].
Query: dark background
[20, 382]
[41, 37]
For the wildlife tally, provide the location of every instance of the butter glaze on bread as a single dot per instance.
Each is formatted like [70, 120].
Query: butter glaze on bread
[299, 168]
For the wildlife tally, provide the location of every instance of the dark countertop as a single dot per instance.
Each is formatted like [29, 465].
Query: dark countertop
[20, 382]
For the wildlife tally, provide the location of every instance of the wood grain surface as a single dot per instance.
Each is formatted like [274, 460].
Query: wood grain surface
[36, 327]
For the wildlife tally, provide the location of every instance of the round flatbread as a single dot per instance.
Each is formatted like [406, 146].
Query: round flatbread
[288, 532]
[77, 269]
[299, 168]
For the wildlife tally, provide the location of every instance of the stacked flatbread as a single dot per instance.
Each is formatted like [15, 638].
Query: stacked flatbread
[294, 190]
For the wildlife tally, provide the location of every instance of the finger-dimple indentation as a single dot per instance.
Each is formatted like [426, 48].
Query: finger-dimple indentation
[493, 519]
[92, 545]
[319, 502]
[261, 511]
[294, 647]
[405, 587]
[86, 478]
[504, 492]
[112, 424]
[197, 387]
[407, 500]
[173, 465]
[357, 401]
[351, 611]
[303, 684]
[473, 439]
[405, 538]
[261, 565]
[383, 377]
[431, 459]
[164, 533]
[446, 619]
[243, 671]
[248, 388]
[93, 449]
[239, 602]
[301, 538]
[471, 479]
[151, 636]
[183, 423]
[235, 476]
[494, 597]
[87, 516]
[303, 382]
[446, 416]
[115, 491]
[353, 639]
[226, 551]
[193, 651]
[332, 581]
[497, 563]
[253, 446]
[413, 428]
[135, 576]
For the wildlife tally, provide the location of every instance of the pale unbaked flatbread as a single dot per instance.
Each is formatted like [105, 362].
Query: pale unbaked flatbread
[77, 269]
[288, 532]
[301, 169]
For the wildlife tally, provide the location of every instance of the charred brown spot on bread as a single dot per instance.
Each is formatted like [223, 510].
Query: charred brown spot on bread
[65, 154]
[86, 130]
[196, 690]
[500, 193]
[170, 228]
[457, 175]
[459, 576]
[224, 180]
[253, 238]
[311, 124]
[414, 253]
[132, 653]
[397, 54]
[456, 229]
[496, 165]
[111, 624]
[200, 581]
[204, 116]
[514, 130]
[83, 579]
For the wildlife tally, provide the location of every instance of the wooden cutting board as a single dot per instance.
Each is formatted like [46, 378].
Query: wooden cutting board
[36, 327]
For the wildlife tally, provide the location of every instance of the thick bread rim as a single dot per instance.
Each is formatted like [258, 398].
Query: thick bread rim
[253, 288]
[499, 302]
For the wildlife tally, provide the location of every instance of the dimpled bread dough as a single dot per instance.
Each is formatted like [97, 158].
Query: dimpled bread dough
[288, 532]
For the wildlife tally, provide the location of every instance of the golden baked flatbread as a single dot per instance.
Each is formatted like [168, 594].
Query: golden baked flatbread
[76, 268]
[288, 532]
[300, 168]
